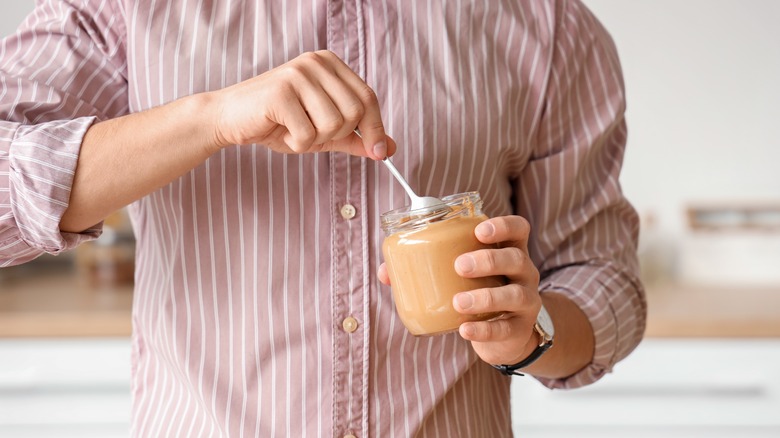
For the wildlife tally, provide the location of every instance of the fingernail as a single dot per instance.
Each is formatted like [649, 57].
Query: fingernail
[468, 330]
[464, 300]
[380, 150]
[485, 229]
[465, 264]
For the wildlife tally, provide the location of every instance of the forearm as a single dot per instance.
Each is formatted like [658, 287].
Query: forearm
[123, 159]
[612, 298]
[573, 345]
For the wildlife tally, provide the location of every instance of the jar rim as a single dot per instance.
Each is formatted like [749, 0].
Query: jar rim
[392, 218]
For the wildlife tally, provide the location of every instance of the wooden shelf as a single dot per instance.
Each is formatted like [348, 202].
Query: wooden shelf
[735, 217]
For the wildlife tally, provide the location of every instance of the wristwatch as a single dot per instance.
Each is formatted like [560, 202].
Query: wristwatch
[546, 331]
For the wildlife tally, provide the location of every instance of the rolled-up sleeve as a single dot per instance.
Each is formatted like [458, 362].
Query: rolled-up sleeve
[584, 231]
[63, 69]
[38, 173]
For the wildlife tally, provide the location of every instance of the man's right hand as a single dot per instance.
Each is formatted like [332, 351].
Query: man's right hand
[310, 104]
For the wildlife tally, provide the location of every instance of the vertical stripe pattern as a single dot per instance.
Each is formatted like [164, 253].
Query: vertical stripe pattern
[246, 268]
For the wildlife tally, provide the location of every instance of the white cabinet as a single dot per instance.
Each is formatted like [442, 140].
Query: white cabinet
[64, 388]
[666, 388]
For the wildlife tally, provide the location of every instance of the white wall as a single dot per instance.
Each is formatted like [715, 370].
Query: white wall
[13, 13]
[703, 96]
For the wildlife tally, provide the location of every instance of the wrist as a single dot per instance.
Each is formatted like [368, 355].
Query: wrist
[529, 347]
[202, 110]
[574, 339]
[543, 332]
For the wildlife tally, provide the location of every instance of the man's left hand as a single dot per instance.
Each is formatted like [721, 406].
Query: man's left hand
[509, 338]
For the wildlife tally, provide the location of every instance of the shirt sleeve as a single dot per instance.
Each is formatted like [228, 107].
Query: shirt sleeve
[584, 231]
[61, 71]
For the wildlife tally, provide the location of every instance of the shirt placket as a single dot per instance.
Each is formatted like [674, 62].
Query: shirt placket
[350, 243]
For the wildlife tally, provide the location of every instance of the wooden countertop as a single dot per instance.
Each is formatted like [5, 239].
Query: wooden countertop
[61, 304]
[679, 310]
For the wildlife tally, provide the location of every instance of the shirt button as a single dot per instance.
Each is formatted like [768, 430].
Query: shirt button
[348, 211]
[350, 324]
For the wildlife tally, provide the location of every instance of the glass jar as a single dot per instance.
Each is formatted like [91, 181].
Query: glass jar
[420, 249]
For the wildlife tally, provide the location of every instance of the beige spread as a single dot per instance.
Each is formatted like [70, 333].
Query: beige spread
[421, 265]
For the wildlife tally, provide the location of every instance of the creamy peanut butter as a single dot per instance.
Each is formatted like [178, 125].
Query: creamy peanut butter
[421, 265]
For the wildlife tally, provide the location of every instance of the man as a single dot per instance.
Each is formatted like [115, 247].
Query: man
[228, 128]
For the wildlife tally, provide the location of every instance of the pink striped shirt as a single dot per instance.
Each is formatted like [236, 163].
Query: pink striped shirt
[246, 268]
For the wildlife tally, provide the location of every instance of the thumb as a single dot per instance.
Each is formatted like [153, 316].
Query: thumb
[384, 145]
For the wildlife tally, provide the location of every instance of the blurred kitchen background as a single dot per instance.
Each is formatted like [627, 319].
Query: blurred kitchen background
[702, 170]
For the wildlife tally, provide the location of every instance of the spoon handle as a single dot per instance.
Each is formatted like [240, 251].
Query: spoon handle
[400, 178]
[413, 196]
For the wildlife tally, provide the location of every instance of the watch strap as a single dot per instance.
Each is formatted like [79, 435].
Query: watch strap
[546, 330]
[511, 370]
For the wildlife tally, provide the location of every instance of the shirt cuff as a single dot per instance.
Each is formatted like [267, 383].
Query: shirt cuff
[615, 305]
[43, 161]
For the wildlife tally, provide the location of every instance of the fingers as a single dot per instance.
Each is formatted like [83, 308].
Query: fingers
[336, 101]
[354, 145]
[371, 126]
[512, 262]
[370, 123]
[508, 329]
[509, 298]
[509, 230]
[383, 275]
[518, 305]
[315, 99]
[347, 107]
[300, 131]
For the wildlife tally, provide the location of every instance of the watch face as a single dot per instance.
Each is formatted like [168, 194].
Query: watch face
[545, 322]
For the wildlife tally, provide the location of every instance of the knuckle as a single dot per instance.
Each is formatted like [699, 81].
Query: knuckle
[326, 57]
[523, 226]
[535, 276]
[486, 330]
[490, 259]
[516, 295]
[292, 73]
[302, 140]
[297, 147]
[516, 255]
[488, 300]
[534, 302]
[497, 330]
[376, 126]
[354, 111]
[505, 329]
[501, 225]
[324, 53]
[368, 96]
[332, 124]
[310, 57]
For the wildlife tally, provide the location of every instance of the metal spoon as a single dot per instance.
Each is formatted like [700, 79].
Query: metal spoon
[418, 202]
